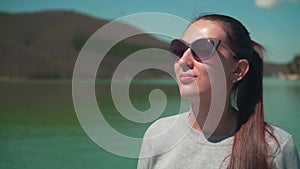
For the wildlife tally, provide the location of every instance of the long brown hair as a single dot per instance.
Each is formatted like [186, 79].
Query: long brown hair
[250, 148]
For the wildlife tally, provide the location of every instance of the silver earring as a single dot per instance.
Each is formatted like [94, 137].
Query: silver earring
[234, 78]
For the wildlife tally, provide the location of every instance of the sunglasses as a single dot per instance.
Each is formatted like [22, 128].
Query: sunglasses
[202, 49]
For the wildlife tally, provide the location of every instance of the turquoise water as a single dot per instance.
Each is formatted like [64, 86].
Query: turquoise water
[282, 105]
[39, 127]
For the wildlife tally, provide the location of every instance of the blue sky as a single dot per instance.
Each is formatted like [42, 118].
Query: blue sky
[273, 23]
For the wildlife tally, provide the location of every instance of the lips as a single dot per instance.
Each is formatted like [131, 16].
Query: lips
[187, 78]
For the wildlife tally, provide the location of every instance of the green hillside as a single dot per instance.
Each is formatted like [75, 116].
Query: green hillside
[46, 44]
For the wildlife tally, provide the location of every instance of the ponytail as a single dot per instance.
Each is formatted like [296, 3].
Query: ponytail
[249, 147]
[249, 92]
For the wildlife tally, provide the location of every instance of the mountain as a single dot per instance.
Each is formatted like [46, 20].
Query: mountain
[273, 69]
[46, 44]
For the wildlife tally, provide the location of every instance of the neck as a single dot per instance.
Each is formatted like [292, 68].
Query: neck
[225, 126]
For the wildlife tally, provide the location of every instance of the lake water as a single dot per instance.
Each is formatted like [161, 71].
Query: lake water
[39, 127]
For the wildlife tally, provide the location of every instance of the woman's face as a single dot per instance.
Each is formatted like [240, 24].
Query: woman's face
[192, 76]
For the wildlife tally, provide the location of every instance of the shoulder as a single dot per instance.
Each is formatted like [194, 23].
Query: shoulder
[282, 138]
[285, 154]
[281, 135]
[166, 133]
[167, 123]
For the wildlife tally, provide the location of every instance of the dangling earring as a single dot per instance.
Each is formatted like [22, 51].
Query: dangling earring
[234, 78]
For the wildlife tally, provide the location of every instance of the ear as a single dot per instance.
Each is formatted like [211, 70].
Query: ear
[240, 70]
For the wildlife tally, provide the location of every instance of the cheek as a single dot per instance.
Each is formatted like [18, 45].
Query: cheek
[203, 75]
[177, 68]
[228, 66]
[218, 65]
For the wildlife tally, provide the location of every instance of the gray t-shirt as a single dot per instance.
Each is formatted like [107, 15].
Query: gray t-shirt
[171, 143]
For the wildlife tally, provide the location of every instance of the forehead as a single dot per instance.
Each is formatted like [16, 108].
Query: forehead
[204, 29]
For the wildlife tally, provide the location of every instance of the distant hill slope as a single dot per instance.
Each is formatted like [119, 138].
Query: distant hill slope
[272, 69]
[40, 44]
[46, 45]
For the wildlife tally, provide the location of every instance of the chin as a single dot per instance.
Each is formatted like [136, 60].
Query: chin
[191, 92]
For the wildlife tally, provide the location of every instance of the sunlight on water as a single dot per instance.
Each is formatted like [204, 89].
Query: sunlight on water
[39, 128]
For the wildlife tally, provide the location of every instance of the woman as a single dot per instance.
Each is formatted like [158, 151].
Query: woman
[241, 139]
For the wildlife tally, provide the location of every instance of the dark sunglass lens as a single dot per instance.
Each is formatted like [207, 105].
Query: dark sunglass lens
[203, 49]
[178, 48]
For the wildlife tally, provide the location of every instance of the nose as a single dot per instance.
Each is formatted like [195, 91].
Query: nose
[186, 61]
